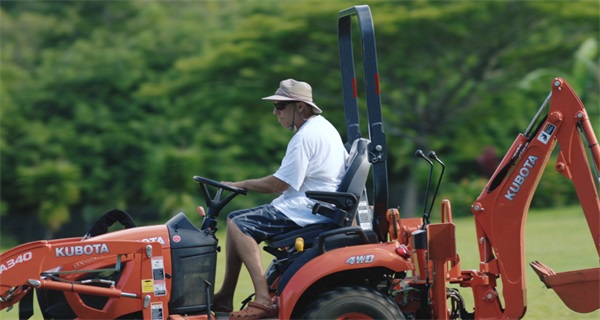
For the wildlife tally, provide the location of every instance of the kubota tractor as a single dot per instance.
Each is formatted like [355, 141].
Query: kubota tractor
[366, 263]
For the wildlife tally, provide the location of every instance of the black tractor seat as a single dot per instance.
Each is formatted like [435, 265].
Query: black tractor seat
[340, 206]
[308, 233]
[328, 240]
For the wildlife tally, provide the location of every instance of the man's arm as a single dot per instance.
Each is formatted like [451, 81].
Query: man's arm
[268, 184]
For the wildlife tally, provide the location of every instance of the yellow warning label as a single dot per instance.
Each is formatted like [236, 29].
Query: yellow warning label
[147, 286]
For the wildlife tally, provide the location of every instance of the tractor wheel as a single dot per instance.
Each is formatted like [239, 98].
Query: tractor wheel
[352, 303]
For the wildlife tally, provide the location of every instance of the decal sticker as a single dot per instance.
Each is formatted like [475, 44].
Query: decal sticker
[155, 239]
[147, 286]
[157, 310]
[82, 263]
[13, 262]
[158, 271]
[88, 249]
[160, 288]
[368, 258]
[546, 134]
[158, 275]
[176, 238]
[514, 188]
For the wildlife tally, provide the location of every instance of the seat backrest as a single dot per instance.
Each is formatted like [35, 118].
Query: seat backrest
[357, 168]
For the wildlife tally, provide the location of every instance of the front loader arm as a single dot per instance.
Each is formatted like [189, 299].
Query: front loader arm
[24, 267]
[501, 209]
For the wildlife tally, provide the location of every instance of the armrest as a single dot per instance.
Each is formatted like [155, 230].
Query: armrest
[342, 200]
[335, 205]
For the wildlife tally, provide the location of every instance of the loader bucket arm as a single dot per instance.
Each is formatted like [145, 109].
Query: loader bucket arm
[501, 209]
[378, 146]
[25, 267]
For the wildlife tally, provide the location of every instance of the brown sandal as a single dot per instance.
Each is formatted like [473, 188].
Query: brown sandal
[255, 311]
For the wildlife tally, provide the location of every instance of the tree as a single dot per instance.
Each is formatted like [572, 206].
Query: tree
[451, 84]
[121, 103]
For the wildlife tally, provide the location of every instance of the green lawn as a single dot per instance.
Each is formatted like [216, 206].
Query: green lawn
[559, 238]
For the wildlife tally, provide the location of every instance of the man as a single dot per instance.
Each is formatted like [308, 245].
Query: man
[314, 160]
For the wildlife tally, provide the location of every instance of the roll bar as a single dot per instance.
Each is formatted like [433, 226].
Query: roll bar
[378, 147]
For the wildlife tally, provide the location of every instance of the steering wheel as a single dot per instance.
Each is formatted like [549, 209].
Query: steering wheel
[220, 185]
[215, 204]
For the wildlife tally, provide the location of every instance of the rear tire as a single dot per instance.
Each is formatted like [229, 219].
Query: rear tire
[352, 303]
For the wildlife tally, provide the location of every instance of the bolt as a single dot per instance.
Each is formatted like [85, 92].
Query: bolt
[557, 83]
[34, 283]
[579, 115]
[555, 117]
[378, 148]
[489, 296]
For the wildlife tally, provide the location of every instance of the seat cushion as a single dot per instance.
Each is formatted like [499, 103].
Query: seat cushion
[308, 233]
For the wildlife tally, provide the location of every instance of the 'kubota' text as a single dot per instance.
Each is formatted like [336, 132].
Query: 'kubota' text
[81, 250]
[512, 191]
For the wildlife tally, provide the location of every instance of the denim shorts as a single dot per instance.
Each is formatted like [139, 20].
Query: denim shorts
[263, 222]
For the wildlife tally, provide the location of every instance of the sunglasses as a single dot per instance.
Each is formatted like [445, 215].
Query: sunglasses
[281, 105]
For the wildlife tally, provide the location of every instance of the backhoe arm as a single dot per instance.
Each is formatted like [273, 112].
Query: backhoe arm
[572, 160]
[501, 209]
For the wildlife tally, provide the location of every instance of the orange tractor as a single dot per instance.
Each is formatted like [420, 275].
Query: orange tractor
[366, 263]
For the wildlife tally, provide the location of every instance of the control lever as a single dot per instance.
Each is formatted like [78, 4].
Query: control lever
[433, 156]
[419, 153]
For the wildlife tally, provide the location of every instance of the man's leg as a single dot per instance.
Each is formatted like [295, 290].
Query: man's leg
[261, 222]
[249, 253]
[233, 265]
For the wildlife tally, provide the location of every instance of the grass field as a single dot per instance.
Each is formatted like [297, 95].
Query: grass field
[559, 238]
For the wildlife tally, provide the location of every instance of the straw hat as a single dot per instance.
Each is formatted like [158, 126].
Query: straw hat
[292, 90]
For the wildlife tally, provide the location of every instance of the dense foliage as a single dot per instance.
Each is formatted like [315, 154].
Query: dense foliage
[119, 103]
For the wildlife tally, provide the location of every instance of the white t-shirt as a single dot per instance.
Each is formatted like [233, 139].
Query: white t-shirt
[314, 160]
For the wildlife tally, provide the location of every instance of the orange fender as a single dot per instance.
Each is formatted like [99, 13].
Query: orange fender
[338, 260]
